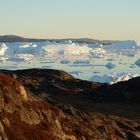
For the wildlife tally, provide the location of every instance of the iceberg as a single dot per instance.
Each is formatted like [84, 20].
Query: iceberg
[98, 53]
[67, 49]
[113, 77]
[74, 56]
[128, 48]
[138, 62]
[110, 65]
[3, 49]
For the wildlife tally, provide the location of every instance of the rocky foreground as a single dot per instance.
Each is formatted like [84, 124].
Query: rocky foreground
[40, 104]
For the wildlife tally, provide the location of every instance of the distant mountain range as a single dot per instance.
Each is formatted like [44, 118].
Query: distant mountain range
[14, 38]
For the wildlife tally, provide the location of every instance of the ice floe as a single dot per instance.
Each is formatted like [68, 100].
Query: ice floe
[81, 62]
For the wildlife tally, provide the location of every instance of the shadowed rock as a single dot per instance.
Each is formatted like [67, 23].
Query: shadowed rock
[40, 104]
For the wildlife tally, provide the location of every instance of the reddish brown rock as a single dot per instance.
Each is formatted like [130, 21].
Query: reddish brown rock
[52, 105]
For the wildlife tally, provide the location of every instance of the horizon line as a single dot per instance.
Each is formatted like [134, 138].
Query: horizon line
[66, 38]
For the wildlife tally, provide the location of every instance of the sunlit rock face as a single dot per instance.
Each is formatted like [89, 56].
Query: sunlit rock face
[50, 104]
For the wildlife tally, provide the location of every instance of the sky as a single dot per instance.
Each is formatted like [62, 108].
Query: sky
[98, 19]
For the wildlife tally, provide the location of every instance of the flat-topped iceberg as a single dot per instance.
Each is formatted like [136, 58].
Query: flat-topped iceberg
[128, 48]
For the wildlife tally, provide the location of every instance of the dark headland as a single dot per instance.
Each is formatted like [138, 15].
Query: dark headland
[45, 104]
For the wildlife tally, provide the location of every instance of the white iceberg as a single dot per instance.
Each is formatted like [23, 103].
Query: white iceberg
[76, 55]
[66, 49]
[113, 77]
[70, 49]
[98, 53]
[3, 49]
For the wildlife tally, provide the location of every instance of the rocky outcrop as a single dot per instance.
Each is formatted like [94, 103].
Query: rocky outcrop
[41, 104]
[122, 92]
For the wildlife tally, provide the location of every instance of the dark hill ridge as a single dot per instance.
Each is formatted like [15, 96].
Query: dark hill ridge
[14, 38]
[41, 104]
